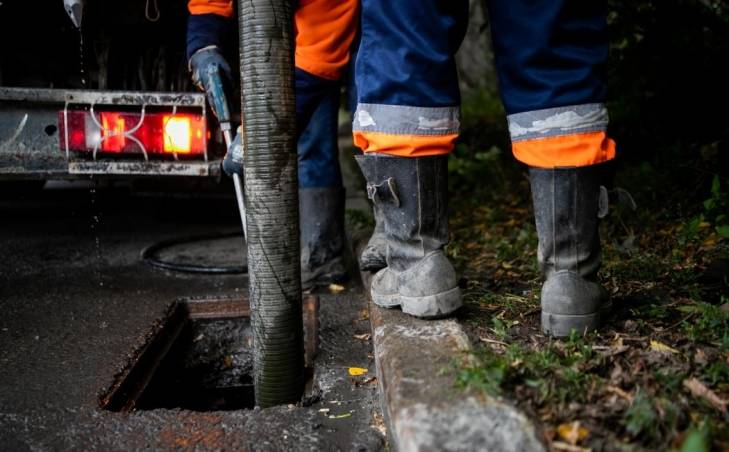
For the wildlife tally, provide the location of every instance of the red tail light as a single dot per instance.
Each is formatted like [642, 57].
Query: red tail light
[121, 132]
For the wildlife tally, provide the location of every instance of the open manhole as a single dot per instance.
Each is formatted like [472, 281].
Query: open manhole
[199, 357]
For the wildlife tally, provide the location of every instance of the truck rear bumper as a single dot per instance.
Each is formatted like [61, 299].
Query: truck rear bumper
[29, 135]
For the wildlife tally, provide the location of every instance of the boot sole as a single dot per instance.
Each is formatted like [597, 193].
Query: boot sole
[385, 301]
[562, 325]
[432, 306]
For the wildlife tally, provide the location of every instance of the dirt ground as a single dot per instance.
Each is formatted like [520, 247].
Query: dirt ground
[657, 376]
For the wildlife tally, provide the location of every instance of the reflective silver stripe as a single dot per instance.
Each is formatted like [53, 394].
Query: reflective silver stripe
[558, 121]
[406, 120]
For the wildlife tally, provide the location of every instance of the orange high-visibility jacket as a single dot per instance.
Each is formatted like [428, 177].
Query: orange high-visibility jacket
[324, 31]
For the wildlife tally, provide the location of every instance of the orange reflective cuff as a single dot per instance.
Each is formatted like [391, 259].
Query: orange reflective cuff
[579, 149]
[404, 145]
[220, 7]
[325, 30]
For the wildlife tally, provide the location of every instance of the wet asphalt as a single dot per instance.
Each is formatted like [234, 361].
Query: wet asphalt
[76, 301]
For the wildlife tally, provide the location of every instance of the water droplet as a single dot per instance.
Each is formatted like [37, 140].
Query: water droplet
[82, 71]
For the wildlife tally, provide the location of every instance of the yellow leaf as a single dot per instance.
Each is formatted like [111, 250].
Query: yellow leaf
[661, 347]
[357, 371]
[572, 432]
[335, 288]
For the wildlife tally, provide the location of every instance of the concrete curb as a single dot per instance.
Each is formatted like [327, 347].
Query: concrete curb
[422, 407]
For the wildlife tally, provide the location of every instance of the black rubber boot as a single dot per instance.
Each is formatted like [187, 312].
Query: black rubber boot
[568, 203]
[321, 219]
[412, 196]
[373, 257]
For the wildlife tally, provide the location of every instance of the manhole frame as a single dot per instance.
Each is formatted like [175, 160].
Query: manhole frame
[129, 384]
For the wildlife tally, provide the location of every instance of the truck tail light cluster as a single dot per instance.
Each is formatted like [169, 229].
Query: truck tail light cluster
[123, 132]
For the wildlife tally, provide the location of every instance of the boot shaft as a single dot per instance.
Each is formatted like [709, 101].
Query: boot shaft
[412, 197]
[568, 203]
[321, 221]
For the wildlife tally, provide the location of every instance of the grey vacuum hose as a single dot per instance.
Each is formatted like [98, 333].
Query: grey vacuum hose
[272, 206]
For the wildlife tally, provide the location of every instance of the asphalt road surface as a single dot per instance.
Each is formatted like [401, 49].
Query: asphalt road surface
[76, 303]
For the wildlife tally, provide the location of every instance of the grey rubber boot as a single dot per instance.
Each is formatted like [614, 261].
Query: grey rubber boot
[321, 221]
[373, 257]
[412, 196]
[568, 203]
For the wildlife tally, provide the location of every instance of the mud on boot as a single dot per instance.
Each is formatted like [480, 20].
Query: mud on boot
[412, 196]
[568, 203]
[372, 258]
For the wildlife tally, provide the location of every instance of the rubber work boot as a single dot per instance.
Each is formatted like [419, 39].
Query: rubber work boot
[568, 203]
[321, 221]
[411, 194]
[372, 258]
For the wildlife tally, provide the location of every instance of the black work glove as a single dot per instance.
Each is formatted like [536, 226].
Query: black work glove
[233, 161]
[199, 63]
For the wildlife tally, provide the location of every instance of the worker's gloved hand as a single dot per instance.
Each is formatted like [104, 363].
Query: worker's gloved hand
[233, 161]
[199, 64]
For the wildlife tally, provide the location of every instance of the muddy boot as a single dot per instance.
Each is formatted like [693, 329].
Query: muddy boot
[321, 219]
[412, 196]
[568, 203]
[372, 258]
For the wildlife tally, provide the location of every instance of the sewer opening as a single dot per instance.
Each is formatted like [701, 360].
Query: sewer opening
[208, 368]
[199, 357]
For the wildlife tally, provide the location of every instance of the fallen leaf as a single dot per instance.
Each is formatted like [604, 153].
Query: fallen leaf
[341, 416]
[616, 390]
[572, 432]
[378, 422]
[661, 347]
[700, 357]
[336, 288]
[559, 445]
[228, 362]
[698, 389]
[363, 337]
[324, 410]
[357, 371]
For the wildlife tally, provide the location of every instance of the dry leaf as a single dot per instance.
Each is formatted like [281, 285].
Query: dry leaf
[698, 389]
[700, 357]
[559, 445]
[661, 347]
[363, 337]
[572, 432]
[616, 390]
[357, 371]
[336, 288]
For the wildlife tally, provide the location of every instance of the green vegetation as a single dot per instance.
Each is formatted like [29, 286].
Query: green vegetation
[658, 374]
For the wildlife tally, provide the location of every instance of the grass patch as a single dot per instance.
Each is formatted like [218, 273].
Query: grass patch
[665, 267]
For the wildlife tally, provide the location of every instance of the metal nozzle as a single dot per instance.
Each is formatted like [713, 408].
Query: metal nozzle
[74, 9]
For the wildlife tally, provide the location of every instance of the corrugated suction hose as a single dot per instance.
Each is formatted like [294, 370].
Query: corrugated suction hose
[269, 143]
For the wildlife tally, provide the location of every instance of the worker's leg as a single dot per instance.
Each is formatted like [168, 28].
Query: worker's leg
[325, 30]
[406, 122]
[321, 196]
[550, 56]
